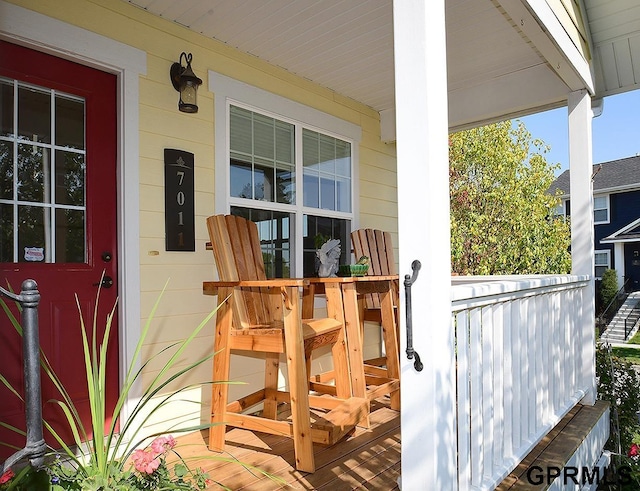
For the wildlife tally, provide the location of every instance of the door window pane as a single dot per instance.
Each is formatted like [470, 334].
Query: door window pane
[70, 236]
[6, 233]
[33, 241]
[6, 170]
[69, 123]
[70, 178]
[33, 167]
[34, 114]
[6, 108]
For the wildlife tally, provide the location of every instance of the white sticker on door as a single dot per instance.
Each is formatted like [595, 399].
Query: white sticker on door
[34, 254]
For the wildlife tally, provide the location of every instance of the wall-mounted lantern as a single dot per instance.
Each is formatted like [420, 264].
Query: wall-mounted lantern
[186, 82]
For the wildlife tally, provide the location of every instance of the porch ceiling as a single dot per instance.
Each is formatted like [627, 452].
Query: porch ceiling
[494, 69]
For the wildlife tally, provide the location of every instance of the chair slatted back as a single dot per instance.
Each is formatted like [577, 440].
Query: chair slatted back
[377, 246]
[238, 257]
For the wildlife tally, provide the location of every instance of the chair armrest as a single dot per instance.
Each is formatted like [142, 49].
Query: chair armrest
[211, 287]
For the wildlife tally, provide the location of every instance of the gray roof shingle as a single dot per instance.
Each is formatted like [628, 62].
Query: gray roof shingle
[622, 173]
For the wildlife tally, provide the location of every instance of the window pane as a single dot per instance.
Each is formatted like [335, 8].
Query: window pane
[343, 192]
[6, 170]
[70, 236]
[311, 190]
[69, 123]
[599, 271]
[6, 109]
[600, 202]
[600, 215]
[70, 176]
[274, 230]
[240, 128]
[343, 158]
[285, 185]
[33, 162]
[33, 243]
[6, 233]
[332, 158]
[601, 258]
[327, 154]
[310, 149]
[264, 146]
[327, 193]
[284, 142]
[317, 230]
[241, 180]
[263, 179]
[34, 114]
[263, 137]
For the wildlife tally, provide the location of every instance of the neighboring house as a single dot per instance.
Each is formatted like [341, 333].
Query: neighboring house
[315, 116]
[616, 215]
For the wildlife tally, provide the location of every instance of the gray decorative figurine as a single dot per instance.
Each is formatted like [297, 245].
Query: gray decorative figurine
[329, 255]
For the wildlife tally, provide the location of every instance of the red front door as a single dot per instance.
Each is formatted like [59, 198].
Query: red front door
[57, 219]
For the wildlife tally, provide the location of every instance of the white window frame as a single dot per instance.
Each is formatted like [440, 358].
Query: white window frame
[228, 91]
[561, 209]
[595, 254]
[607, 207]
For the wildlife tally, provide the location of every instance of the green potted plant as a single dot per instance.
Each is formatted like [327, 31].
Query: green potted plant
[115, 460]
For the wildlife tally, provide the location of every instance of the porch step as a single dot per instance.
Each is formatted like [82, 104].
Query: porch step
[615, 330]
[556, 448]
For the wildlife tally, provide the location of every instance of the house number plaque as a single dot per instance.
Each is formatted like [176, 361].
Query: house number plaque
[179, 209]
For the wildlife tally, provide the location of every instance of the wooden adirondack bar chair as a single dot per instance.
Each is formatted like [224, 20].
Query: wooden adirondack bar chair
[265, 315]
[377, 246]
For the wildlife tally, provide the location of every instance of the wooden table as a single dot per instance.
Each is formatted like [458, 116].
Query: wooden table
[342, 295]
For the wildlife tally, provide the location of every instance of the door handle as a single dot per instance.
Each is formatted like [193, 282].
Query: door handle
[408, 281]
[107, 282]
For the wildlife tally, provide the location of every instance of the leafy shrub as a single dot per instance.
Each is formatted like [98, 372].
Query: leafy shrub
[608, 286]
[619, 383]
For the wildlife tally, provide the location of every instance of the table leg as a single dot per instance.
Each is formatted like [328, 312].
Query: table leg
[390, 343]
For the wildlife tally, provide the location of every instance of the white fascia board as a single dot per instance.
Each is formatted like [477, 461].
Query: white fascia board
[613, 238]
[538, 22]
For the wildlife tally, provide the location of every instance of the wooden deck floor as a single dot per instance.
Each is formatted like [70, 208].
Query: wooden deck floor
[367, 459]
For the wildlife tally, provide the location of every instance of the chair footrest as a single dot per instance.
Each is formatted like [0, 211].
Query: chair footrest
[327, 428]
[343, 418]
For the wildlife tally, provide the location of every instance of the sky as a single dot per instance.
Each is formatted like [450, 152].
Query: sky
[616, 132]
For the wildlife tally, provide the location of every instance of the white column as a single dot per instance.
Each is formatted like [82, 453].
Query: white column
[428, 397]
[582, 255]
[618, 260]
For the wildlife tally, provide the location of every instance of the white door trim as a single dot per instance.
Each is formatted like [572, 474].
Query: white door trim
[42, 33]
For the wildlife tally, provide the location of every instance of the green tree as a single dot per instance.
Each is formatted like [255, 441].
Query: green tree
[502, 215]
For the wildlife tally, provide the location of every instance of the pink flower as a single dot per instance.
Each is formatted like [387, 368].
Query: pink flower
[6, 477]
[145, 461]
[634, 450]
[162, 444]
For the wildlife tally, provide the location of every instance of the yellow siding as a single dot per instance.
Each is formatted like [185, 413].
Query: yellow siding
[162, 126]
[569, 14]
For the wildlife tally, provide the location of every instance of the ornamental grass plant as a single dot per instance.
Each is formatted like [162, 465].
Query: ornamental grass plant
[124, 460]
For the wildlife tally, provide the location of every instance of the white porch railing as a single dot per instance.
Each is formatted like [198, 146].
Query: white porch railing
[520, 368]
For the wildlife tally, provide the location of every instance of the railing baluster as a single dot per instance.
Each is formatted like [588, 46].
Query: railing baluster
[514, 337]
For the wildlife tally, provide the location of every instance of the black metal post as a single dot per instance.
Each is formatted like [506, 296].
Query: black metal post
[35, 447]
